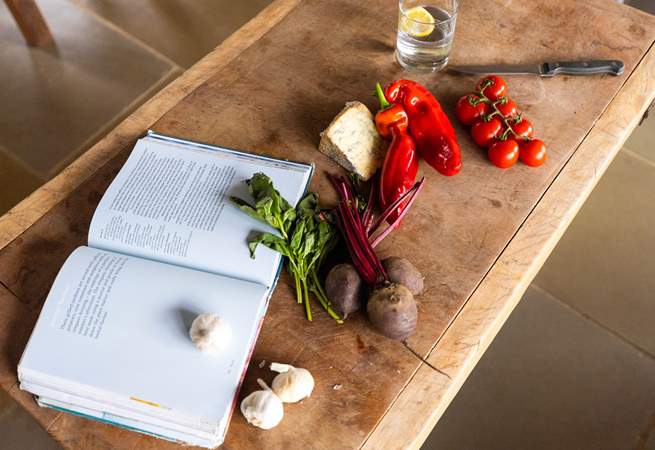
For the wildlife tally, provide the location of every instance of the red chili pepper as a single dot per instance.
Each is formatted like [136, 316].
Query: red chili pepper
[428, 124]
[398, 171]
[401, 161]
[388, 115]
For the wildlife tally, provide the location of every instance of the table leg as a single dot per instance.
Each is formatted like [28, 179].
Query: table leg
[30, 21]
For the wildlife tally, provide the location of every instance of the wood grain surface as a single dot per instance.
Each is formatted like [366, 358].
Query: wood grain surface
[274, 98]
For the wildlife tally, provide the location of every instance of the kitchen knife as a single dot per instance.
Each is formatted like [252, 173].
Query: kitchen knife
[548, 69]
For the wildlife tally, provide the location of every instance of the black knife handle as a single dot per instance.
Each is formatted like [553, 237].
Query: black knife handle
[611, 66]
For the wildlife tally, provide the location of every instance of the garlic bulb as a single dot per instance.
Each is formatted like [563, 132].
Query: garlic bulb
[210, 333]
[292, 384]
[262, 409]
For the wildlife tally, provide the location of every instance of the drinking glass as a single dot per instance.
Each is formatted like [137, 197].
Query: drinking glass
[425, 33]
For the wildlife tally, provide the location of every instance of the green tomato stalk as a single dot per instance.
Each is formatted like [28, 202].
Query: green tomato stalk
[496, 112]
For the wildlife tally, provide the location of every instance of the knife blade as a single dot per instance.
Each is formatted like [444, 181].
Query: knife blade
[548, 69]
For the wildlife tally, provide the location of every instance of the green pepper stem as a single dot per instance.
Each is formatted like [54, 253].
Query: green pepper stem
[384, 103]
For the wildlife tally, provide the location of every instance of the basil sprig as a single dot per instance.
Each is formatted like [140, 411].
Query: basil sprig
[305, 238]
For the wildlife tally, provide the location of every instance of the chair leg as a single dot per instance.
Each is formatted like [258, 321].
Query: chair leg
[30, 21]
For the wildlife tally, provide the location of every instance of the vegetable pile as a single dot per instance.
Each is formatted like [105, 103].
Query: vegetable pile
[391, 306]
[305, 237]
[497, 125]
[413, 119]
[415, 122]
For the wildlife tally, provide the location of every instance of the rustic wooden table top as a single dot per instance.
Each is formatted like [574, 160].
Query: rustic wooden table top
[480, 237]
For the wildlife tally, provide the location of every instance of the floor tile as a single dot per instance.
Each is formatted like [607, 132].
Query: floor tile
[642, 139]
[650, 443]
[19, 430]
[6, 404]
[551, 380]
[183, 30]
[644, 5]
[60, 98]
[17, 181]
[604, 264]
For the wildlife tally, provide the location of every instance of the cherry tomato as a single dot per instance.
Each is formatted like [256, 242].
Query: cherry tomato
[483, 133]
[507, 107]
[503, 154]
[495, 87]
[533, 152]
[523, 128]
[466, 112]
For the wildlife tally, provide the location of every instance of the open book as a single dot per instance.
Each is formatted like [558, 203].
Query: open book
[165, 244]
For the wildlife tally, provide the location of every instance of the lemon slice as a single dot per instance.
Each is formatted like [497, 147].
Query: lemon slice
[417, 22]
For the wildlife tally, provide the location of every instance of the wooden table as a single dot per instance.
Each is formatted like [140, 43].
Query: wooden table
[480, 236]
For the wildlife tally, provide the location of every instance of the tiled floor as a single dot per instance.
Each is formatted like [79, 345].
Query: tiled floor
[108, 58]
[182, 33]
[552, 380]
[64, 96]
[604, 265]
[17, 180]
[18, 431]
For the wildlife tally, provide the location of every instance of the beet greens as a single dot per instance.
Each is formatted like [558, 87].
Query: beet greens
[360, 229]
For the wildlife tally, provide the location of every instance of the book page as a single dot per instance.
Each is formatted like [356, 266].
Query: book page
[118, 325]
[129, 423]
[66, 400]
[170, 202]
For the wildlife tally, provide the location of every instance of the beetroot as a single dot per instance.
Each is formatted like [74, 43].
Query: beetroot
[400, 270]
[392, 311]
[344, 288]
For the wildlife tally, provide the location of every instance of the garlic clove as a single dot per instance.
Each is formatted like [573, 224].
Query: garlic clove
[292, 384]
[210, 333]
[263, 408]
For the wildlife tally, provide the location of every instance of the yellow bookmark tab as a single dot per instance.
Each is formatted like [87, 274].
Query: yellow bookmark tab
[145, 402]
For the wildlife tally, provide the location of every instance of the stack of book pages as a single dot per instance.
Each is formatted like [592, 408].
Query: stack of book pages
[165, 245]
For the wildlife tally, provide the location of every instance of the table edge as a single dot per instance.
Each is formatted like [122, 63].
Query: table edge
[428, 393]
[23, 215]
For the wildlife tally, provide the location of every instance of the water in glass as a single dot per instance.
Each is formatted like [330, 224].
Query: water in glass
[425, 34]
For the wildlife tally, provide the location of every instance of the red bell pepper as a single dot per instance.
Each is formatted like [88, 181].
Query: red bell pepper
[399, 170]
[401, 161]
[388, 115]
[428, 124]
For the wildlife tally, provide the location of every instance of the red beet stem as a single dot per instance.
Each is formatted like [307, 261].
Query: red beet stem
[367, 218]
[354, 231]
[392, 208]
[353, 237]
[360, 264]
[414, 193]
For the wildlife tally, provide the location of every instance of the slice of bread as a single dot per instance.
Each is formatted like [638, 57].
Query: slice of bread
[353, 142]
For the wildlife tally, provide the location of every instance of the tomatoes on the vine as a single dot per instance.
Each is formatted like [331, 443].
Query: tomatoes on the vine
[532, 152]
[507, 107]
[493, 87]
[522, 128]
[470, 108]
[503, 154]
[483, 132]
[498, 125]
